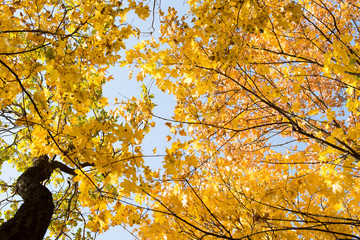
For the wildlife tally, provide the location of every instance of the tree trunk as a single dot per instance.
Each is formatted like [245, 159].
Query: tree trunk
[33, 217]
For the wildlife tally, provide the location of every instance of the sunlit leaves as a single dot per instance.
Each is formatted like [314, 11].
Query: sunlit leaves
[54, 60]
[269, 94]
[264, 137]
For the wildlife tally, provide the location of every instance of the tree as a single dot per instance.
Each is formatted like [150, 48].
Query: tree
[264, 137]
[53, 61]
[265, 131]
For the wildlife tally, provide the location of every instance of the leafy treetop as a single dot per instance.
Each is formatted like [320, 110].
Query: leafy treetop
[267, 95]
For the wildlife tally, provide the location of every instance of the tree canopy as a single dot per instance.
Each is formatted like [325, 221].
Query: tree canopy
[264, 134]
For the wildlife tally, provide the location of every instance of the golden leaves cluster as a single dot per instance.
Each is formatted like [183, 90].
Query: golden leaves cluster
[268, 91]
[54, 60]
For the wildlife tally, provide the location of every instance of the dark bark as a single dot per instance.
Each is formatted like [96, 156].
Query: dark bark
[33, 217]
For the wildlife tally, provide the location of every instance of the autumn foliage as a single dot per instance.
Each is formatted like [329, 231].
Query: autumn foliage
[267, 92]
[264, 135]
